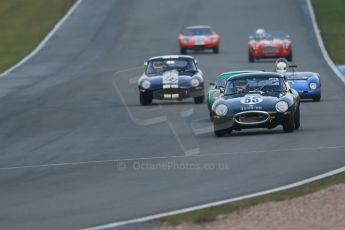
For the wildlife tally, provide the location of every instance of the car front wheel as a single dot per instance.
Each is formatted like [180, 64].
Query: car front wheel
[289, 57]
[250, 57]
[145, 98]
[199, 100]
[297, 118]
[289, 124]
[216, 50]
[221, 132]
[183, 50]
[221, 129]
[317, 98]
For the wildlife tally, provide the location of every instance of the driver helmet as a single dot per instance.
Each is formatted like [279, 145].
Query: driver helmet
[242, 84]
[281, 67]
[260, 31]
[158, 65]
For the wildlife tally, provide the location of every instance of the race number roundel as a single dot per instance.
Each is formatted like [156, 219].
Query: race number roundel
[251, 99]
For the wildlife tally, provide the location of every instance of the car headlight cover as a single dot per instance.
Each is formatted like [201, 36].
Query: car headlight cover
[146, 84]
[221, 110]
[186, 40]
[212, 38]
[282, 106]
[194, 82]
[313, 85]
[216, 94]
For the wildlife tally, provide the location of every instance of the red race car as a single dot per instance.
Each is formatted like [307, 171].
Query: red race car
[269, 45]
[198, 38]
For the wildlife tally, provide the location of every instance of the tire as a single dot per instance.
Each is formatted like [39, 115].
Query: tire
[211, 117]
[221, 129]
[317, 98]
[289, 57]
[216, 50]
[297, 118]
[289, 124]
[222, 132]
[250, 57]
[183, 50]
[199, 100]
[145, 98]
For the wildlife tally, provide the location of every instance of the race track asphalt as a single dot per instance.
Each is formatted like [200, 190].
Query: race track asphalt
[77, 149]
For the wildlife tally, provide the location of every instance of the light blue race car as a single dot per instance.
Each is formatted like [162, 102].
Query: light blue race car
[307, 84]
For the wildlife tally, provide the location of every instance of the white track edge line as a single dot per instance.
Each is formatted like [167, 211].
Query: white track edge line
[44, 41]
[321, 44]
[163, 158]
[198, 207]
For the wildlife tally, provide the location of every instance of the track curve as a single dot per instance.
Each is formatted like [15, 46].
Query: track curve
[77, 150]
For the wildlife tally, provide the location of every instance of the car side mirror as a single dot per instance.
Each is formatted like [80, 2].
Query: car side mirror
[195, 61]
[145, 63]
[221, 89]
[290, 90]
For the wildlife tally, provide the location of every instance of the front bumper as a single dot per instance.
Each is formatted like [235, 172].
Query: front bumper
[176, 93]
[258, 53]
[269, 120]
[306, 94]
[191, 46]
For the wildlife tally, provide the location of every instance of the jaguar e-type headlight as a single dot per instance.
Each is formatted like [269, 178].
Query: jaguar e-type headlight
[282, 106]
[146, 84]
[216, 94]
[313, 85]
[221, 110]
[194, 82]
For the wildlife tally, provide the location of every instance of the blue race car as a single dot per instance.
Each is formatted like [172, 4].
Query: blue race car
[174, 77]
[307, 84]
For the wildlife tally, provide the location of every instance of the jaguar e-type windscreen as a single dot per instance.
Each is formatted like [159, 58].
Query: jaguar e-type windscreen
[270, 35]
[198, 31]
[221, 82]
[255, 85]
[158, 66]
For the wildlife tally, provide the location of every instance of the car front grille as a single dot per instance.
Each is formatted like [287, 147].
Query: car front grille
[252, 117]
[270, 50]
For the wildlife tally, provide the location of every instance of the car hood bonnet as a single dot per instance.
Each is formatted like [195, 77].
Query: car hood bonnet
[251, 102]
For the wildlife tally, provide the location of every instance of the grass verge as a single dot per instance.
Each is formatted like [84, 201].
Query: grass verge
[24, 23]
[209, 214]
[330, 16]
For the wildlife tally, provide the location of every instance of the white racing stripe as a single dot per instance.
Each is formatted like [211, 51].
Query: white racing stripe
[161, 215]
[321, 45]
[44, 41]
